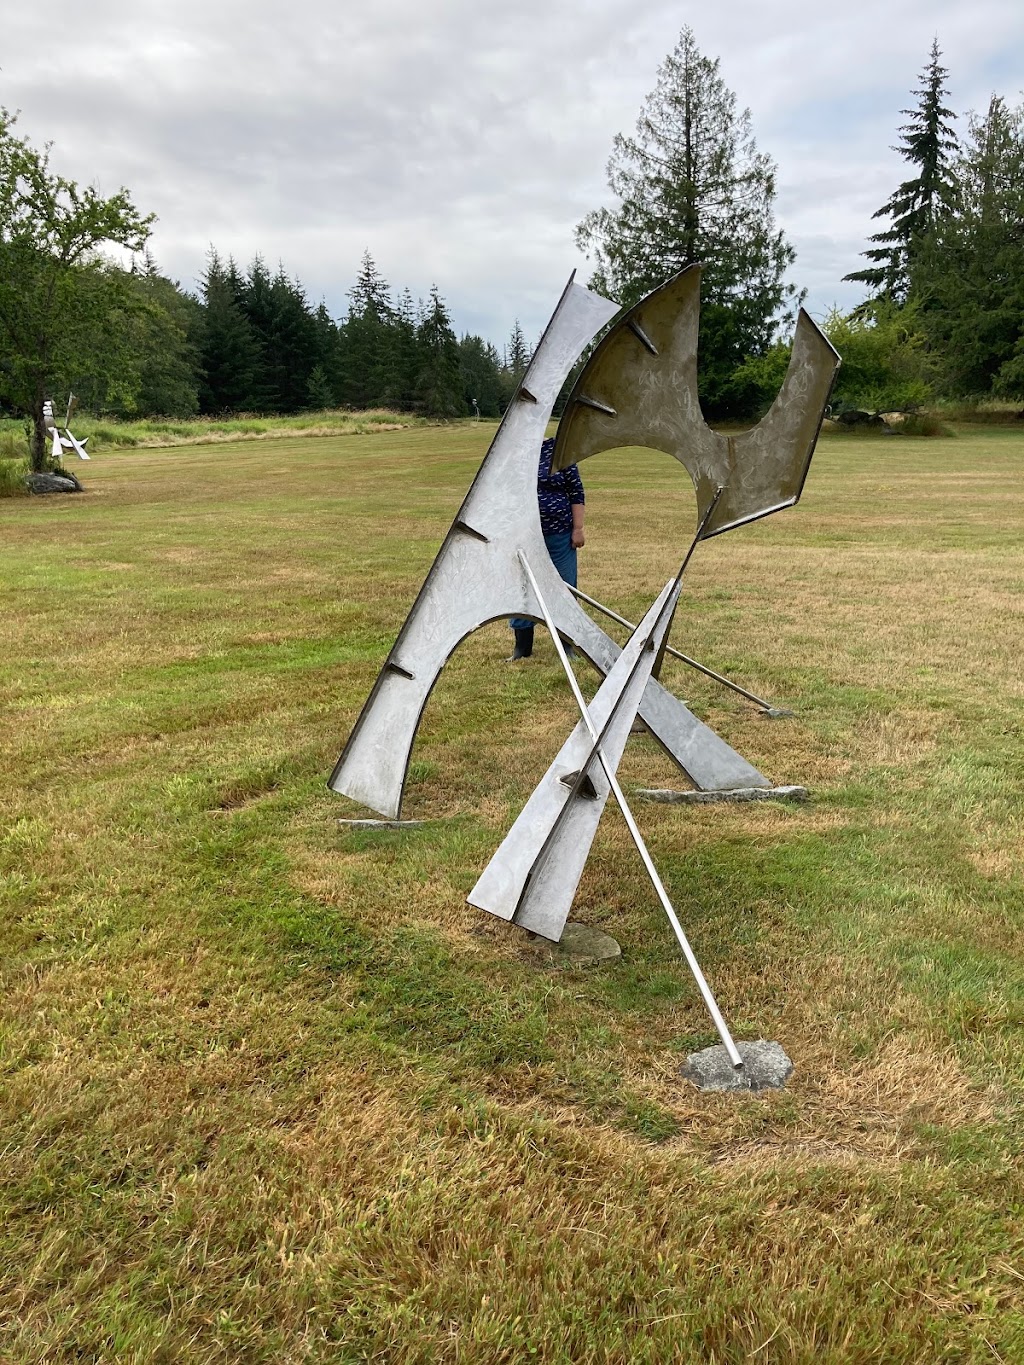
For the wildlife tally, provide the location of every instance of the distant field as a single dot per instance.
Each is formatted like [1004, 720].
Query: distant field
[271, 1092]
[106, 433]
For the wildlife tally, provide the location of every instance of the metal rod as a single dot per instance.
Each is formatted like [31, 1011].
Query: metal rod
[676, 654]
[652, 872]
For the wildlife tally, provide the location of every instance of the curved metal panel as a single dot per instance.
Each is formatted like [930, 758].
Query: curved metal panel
[639, 388]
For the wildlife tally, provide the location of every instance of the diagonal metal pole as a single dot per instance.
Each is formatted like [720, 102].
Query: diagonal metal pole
[613, 782]
[676, 654]
[581, 776]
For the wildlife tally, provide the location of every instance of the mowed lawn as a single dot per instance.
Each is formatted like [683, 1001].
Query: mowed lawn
[271, 1091]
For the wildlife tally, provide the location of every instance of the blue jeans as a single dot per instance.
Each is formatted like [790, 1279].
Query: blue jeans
[563, 557]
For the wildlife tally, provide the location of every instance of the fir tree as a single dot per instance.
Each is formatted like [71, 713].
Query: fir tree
[319, 394]
[367, 364]
[692, 187]
[481, 372]
[440, 385]
[517, 354]
[292, 346]
[969, 278]
[230, 351]
[929, 143]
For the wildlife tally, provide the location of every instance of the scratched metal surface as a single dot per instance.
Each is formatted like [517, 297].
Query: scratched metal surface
[639, 388]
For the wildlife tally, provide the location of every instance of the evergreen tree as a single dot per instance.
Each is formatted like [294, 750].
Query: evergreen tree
[928, 143]
[481, 371]
[292, 347]
[969, 278]
[368, 372]
[326, 334]
[254, 291]
[517, 354]
[405, 354]
[692, 186]
[230, 354]
[166, 338]
[440, 385]
[319, 394]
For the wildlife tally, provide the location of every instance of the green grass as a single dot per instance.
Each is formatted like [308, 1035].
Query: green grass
[270, 1091]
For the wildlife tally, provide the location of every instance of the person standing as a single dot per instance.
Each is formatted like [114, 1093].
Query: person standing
[562, 504]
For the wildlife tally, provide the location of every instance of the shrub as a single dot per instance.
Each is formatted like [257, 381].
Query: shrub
[12, 478]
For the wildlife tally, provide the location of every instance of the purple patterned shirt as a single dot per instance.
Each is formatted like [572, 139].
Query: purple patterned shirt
[556, 493]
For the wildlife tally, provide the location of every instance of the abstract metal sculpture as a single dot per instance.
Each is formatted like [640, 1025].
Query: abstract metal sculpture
[61, 443]
[639, 388]
[477, 578]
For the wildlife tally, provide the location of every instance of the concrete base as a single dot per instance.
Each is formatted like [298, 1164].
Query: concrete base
[777, 713]
[765, 1067]
[702, 798]
[381, 824]
[579, 946]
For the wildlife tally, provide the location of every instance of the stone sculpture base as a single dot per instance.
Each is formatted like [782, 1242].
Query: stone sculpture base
[579, 946]
[381, 824]
[765, 1067]
[53, 483]
[703, 798]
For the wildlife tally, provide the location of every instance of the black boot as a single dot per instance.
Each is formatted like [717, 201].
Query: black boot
[524, 644]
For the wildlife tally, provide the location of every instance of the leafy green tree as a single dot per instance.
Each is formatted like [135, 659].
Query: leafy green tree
[928, 143]
[970, 275]
[440, 386]
[692, 186]
[165, 336]
[886, 366]
[58, 303]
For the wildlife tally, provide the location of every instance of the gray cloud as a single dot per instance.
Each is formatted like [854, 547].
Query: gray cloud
[461, 141]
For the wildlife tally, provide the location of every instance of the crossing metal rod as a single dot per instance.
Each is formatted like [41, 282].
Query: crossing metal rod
[652, 872]
[676, 654]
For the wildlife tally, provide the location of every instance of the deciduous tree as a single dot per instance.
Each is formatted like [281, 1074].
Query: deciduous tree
[58, 303]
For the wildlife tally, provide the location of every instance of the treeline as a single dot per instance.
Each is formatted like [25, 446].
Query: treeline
[251, 341]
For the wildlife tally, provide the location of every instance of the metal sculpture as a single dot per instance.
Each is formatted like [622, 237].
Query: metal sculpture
[639, 388]
[61, 443]
[477, 578]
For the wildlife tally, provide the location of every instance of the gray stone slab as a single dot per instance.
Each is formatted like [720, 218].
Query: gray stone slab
[705, 798]
[579, 946]
[765, 1067]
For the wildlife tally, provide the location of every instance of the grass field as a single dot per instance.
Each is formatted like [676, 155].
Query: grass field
[271, 1092]
[152, 432]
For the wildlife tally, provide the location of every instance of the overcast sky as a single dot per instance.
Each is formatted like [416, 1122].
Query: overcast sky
[462, 140]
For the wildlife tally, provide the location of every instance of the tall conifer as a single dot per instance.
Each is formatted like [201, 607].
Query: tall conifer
[929, 143]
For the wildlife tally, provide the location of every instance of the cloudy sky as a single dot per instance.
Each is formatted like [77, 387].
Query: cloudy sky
[462, 140]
